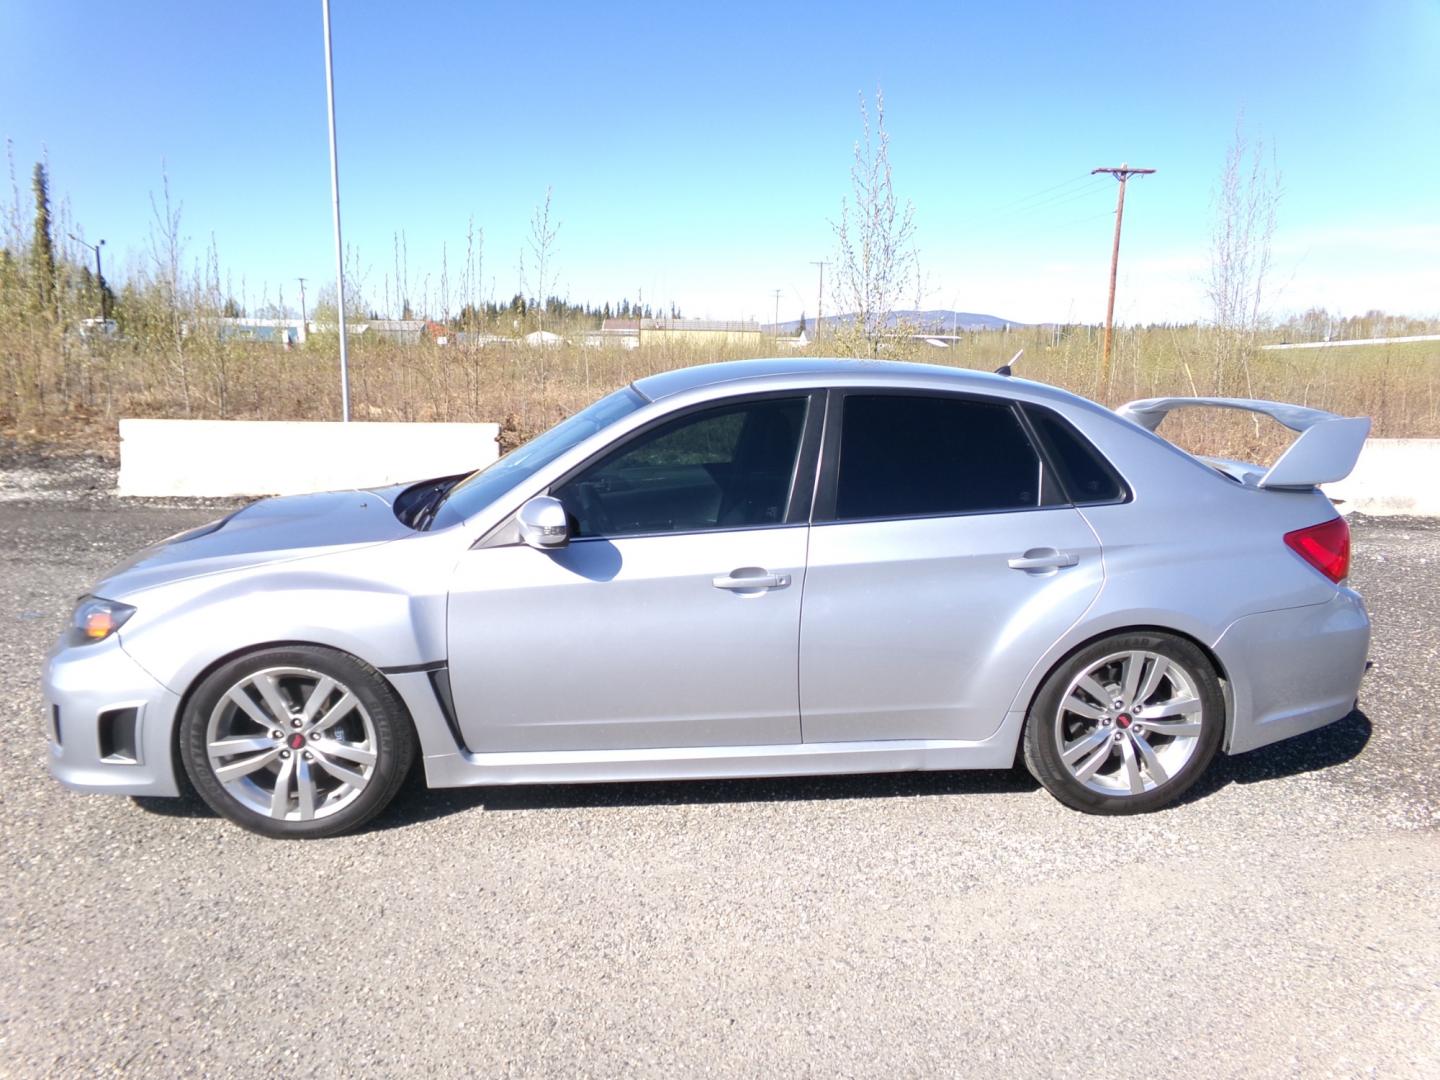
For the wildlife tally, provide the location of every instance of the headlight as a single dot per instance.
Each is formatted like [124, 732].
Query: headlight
[96, 619]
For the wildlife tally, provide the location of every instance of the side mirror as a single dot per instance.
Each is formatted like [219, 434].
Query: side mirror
[543, 523]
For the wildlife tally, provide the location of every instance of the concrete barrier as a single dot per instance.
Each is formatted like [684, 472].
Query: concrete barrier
[1393, 476]
[278, 457]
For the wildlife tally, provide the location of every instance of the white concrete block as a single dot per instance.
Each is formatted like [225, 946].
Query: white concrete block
[1393, 476]
[281, 457]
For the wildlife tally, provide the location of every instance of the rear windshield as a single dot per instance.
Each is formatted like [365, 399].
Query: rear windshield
[480, 489]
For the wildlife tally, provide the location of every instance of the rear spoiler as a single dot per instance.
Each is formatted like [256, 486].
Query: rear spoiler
[1326, 450]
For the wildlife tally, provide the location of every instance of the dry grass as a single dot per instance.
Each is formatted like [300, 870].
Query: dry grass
[60, 387]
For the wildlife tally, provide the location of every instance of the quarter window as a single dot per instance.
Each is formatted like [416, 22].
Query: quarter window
[926, 456]
[723, 468]
[1087, 476]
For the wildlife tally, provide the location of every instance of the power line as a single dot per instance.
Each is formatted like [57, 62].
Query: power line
[1080, 221]
[1036, 194]
[1060, 198]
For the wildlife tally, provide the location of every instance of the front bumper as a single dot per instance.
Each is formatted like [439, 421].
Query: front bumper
[109, 723]
[1293, 670]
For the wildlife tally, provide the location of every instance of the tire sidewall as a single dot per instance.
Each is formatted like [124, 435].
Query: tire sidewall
[394, 738]
[1042, 754]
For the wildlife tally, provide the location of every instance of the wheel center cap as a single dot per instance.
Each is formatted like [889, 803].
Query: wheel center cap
[1123, 720]
[297, 740]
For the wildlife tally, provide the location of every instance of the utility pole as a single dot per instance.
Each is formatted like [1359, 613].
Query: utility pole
[820, 297]
[1123, 173]
[99, 277]
[775, 326]
[335, 203]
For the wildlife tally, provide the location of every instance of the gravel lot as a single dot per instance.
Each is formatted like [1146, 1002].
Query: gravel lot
[1284, 921]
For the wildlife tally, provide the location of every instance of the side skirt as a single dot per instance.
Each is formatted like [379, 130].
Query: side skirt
[448, 764]
[724, 762]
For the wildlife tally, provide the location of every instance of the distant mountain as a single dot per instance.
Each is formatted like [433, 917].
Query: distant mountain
[938, 320]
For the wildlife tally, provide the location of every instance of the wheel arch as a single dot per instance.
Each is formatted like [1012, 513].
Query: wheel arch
[178, 765]
[1037, 682]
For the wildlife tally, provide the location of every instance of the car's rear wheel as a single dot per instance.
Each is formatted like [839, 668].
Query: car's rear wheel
[298, 741]
[1126, 724]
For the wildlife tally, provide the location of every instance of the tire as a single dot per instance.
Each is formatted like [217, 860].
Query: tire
[1125, 725]
[341, 748]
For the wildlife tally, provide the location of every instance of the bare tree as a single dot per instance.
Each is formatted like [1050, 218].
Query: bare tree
[1244, 205]
[876, 263]
[542, 252]
[166, 251]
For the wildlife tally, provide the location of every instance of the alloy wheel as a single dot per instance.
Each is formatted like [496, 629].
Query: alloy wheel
[291, 743]
[1129, 723]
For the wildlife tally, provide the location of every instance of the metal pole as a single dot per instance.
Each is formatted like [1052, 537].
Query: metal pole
[100, 283]
[99, 276]
[820, 300]
[335, 202]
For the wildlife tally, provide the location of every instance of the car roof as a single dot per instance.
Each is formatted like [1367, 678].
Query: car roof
[822, 371]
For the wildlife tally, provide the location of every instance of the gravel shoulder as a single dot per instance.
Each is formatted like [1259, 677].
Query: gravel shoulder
[1281, 921]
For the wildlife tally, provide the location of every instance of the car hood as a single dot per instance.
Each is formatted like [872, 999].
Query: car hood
[268, 531]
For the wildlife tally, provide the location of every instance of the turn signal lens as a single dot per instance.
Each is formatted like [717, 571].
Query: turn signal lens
[99, 625]
[1326, 547]
[96, 619]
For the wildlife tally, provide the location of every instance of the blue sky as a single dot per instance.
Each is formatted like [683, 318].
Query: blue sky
[699, 154]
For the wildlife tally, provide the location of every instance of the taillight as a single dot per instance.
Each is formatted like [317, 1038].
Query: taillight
[1326, 547]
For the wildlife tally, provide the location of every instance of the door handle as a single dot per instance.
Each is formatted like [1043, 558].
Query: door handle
[750, 579]
[1041, 559]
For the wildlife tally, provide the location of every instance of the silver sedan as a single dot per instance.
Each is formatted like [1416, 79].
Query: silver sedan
[765, 568]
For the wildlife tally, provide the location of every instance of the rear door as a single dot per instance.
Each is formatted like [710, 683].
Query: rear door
[945, 558]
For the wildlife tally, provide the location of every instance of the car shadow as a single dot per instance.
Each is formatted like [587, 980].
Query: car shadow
[417, 804]
[1326, 748]
[1315, 751]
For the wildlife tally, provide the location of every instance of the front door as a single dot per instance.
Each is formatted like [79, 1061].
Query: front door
[672, 617]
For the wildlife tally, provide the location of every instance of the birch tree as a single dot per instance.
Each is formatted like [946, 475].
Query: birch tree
[1244, 206]
[875, 258]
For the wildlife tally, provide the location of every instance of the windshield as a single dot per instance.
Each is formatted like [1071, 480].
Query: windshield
[482, 488]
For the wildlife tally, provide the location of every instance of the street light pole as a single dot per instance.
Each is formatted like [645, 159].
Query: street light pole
[335, 203]
[820, 298]
[99, 277]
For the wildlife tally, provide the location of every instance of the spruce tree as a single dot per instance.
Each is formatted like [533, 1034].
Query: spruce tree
[42, 247]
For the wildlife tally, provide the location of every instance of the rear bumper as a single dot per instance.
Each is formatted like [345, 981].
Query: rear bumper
[1293, 670]
[109, 723]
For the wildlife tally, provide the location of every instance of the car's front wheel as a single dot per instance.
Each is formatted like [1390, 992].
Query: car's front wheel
[299, 741]
[1126, 724]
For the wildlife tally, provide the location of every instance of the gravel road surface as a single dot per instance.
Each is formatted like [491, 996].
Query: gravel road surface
[1283, 921]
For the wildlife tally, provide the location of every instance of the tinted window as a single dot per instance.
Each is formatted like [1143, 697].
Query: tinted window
[722, 468]
[923, 456]
[1087, 476]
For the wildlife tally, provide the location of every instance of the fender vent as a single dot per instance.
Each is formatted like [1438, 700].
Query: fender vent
[117, 735]
[440, 683]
